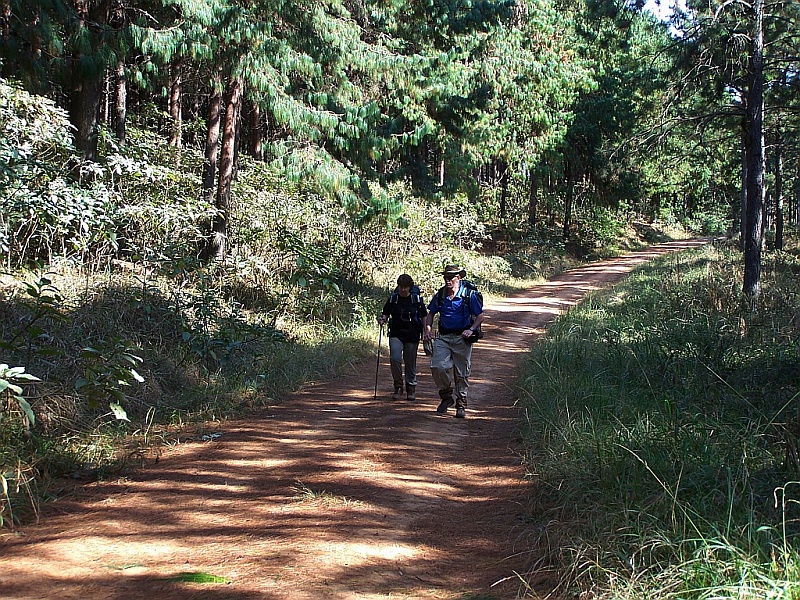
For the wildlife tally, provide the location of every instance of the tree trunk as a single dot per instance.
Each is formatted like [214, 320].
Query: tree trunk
[779, 192]
[503, 190]
[533, 199]
[121, 106]
[210, 161]
[217, 243]
[88, 74]
[256, 133]
[84, 109]
[237, 140]
[743, 216]
[212, 142]
[568, 202]
[106, 101]
[175, 113]
[755, 159]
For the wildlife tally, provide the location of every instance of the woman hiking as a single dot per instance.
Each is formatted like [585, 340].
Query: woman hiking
[405, 312]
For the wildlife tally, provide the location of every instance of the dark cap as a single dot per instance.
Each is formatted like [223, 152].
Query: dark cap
[454, 270]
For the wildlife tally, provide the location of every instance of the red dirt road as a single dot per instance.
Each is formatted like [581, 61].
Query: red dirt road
[329, 495]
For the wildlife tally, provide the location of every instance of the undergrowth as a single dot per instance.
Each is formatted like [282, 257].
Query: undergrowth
[662, 425]
[127, 364]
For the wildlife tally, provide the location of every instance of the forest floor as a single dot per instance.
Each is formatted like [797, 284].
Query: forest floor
[329, 494]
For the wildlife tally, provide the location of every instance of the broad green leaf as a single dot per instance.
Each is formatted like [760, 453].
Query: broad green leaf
[27, 377]
[23, 404]
[119, 412]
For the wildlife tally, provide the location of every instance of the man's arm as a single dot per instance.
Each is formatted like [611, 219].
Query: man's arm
[475, 305]
[478, 320]
[426, 326]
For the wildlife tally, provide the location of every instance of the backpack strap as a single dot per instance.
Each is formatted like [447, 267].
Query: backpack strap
[415, 297]
[416, 303]
[440, 296]
[469, 288]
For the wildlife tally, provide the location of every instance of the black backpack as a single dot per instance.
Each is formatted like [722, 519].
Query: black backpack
[469, 289]
[416, 303]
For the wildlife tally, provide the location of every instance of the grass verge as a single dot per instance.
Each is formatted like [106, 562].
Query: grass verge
[661, 425]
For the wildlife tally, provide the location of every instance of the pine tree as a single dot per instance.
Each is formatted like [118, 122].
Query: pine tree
[64, 48]
[734, 57]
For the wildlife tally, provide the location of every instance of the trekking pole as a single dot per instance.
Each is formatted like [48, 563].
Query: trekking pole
[378, 363]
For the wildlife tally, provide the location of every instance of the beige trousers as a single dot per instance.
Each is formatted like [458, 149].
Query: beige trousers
[450, 366]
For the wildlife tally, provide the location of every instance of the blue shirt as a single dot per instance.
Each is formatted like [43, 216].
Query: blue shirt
[455, 315]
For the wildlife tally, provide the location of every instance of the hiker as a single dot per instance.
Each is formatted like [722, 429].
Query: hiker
[405, 312]
[460, 308]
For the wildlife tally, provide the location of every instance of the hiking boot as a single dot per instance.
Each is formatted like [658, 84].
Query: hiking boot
[398, 392]
[447, 400]
[444, 405]
[461, 413]
[411, 393]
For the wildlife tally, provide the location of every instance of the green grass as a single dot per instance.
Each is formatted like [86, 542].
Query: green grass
[198, 577]
[661, 423]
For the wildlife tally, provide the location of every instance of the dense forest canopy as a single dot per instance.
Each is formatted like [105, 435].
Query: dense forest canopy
[527, 107]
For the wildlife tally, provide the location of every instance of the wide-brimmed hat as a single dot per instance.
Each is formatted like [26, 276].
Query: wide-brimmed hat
[454, 270]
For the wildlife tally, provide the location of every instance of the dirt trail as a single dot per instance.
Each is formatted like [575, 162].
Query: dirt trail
[329, 495]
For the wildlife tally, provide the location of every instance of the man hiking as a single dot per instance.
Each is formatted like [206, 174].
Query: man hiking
[460, 308]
